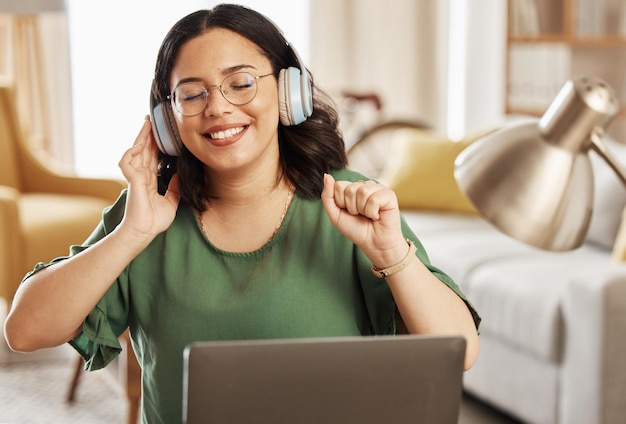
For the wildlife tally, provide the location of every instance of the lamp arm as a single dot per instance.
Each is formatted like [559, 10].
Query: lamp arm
[601, 149]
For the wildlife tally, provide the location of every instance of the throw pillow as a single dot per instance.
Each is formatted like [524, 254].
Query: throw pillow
[423, 177]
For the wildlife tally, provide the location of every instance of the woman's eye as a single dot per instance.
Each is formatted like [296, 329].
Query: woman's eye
[191, 97]
[244, 86]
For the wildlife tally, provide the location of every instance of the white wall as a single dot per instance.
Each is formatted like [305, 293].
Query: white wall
[113, 51]
[439, 62]
[390, 47]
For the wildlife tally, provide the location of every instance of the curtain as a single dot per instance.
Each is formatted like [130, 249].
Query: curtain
[36, 61]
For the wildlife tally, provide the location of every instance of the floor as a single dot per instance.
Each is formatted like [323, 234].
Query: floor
[46, 375]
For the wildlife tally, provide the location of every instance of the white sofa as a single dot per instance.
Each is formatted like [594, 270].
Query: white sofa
[553, 334]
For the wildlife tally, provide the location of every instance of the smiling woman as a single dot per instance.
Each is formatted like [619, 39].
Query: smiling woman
[113, 45]
[262, 232]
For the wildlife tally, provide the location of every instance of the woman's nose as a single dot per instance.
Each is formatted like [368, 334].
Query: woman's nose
[216, 103]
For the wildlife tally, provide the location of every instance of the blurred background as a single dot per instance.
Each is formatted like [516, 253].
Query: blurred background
[83, 68]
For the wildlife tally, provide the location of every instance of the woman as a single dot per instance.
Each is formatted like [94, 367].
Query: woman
[262, 232]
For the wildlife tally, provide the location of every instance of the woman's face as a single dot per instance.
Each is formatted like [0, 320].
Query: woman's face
[227, 137]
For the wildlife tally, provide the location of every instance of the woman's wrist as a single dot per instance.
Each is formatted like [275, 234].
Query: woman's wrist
[397, 266]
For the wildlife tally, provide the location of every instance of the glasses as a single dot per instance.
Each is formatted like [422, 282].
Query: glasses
[190, 98]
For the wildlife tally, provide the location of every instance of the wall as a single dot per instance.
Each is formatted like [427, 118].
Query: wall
[441, 62]
[366, 45]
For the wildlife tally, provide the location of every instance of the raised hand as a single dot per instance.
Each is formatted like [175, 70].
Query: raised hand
[147, 212]
[368, 214]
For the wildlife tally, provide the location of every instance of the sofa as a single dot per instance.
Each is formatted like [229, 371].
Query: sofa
[553, 334]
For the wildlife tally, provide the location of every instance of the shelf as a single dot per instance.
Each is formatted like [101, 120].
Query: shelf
[547, 45]
[573, 41]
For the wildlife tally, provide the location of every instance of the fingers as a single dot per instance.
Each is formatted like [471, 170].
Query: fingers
[142, 155]
[364, 198]
[328, 198]
[359, 198]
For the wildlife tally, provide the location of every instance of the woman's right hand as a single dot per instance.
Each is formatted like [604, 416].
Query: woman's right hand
[77, 284]
[147, 212]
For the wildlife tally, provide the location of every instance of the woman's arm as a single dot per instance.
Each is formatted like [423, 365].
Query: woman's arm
[368, 214]
[50, 306]
[428, 306]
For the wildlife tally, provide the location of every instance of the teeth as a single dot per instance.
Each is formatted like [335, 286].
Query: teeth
[221, 135]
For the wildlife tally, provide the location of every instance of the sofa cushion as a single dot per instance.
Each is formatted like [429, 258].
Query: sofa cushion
[423, 175]
[52, 222]
[516, 288]
[457, 243]
[520, 298]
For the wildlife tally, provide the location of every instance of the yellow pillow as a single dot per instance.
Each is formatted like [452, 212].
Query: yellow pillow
[423, 172]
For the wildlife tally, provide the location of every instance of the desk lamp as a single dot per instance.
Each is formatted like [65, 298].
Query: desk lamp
[534, 180]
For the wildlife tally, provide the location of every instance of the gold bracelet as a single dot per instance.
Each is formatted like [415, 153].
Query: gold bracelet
[386, 272]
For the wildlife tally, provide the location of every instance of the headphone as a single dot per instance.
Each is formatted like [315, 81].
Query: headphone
[295, 100]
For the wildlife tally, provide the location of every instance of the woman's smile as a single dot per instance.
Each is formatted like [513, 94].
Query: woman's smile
[225, 137]
[221, 135]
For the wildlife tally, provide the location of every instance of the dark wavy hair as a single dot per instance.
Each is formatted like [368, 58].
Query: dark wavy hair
[307, 150]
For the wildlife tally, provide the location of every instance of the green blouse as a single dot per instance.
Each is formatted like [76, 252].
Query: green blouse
[308, 281]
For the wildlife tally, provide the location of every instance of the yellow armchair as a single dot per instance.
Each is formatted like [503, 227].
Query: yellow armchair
[43, 209]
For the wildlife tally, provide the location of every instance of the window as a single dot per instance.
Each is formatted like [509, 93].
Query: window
[113, 49]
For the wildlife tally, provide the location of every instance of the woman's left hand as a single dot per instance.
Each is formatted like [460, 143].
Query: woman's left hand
[367, 213]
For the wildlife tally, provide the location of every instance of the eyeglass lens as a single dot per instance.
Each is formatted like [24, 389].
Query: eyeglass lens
[191, 98]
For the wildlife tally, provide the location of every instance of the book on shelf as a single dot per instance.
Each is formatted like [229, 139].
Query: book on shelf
[524, 18]
[536, 74]
[590, 17]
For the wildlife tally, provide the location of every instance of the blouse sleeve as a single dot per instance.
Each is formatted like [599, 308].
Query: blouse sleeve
[378, 298]
[98, 342]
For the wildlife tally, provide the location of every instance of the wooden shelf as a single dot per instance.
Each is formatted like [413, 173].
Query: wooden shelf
[548, 45]
[573, 41]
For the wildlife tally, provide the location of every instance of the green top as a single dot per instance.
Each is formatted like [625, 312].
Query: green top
[308, 281]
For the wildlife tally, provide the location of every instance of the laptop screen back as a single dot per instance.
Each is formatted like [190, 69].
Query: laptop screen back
[389, 379]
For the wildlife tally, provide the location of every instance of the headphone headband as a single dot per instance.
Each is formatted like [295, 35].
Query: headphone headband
[295, 98]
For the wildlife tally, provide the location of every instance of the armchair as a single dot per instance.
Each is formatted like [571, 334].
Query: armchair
[42, 209]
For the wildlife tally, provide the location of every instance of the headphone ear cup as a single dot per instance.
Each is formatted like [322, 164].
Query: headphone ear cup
[164, 127]
[294, 96]
[307, 93]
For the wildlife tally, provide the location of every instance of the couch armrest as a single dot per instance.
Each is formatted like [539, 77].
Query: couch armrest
[10, 242]
[43, 175]
[67, 184]
[594, 364]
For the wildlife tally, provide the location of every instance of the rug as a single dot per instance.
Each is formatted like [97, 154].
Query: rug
[35, 392]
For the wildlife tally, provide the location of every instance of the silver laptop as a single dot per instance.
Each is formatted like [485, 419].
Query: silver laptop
[387, 379]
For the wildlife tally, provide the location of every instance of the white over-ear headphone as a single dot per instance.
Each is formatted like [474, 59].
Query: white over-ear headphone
[294, 93]
[295, 99]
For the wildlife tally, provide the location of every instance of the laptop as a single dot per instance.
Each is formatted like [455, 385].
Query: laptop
[378, 379]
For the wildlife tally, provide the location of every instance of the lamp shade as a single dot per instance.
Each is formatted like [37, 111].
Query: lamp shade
[23, 7]
[534, 180]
